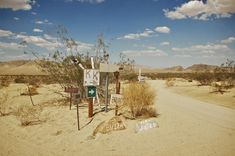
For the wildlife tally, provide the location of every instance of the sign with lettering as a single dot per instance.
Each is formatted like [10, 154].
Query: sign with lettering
[70, 90]
[91, 77]
[116, 99]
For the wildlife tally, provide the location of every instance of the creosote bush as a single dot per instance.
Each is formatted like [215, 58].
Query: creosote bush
[29, 115]
[139, 99]
[170, 82]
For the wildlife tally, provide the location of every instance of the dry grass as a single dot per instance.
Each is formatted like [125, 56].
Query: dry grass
[31, 90]
[139, 99]
[3, 100]
[4, 82]
[29, 115]
[170, 82]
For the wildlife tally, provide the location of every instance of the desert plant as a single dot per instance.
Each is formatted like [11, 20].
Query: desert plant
[139, 99]
[29, 115]
[4, 82]
[31, 90]
[3, 100]
[170, 82]
[21, 79]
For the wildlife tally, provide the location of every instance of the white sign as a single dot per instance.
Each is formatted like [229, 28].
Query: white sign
[91, 77]
[116, 99]
[108, 68]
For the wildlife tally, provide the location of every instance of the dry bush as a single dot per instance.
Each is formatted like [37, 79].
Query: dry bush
[3, 106]
[29, 115]
[222, 86]
[170, 82]
[20, 79]
[56, 102]
[139, 99]
[32, 90]
[4, 82]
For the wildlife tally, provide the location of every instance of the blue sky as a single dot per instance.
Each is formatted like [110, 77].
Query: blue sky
[157, 33]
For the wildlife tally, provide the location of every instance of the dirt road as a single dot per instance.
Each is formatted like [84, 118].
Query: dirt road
[186, 127]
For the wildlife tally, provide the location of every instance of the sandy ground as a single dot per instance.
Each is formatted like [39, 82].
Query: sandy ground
[204, 93]
[187, 126]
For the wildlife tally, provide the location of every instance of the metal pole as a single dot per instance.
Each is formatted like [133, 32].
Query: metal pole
[78, 116]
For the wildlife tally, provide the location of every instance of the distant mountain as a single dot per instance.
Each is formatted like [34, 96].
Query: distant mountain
[29, 67]
[174, 68]
[20, 67]
[201, 68]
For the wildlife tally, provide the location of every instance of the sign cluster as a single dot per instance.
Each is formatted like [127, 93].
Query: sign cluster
[91, 80]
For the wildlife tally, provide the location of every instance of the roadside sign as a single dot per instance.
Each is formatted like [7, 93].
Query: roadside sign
[91, 77]
[91, 91]
[116, 99]
[70, 90]
[76, 97]
[108, 68]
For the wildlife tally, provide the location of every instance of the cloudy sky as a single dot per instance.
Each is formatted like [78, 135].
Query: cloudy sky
[158, 33]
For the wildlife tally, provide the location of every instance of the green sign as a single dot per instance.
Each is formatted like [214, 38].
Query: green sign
[91, 91]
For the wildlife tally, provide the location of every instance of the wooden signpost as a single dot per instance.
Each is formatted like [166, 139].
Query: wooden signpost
[108, 68]
[91, 80]
[73, 93]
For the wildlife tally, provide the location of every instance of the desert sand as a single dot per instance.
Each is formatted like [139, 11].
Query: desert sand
[187, 126]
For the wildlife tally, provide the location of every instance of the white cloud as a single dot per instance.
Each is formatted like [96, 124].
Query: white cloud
[37, 30]
[17, 4]
[163, 29]
[91, 1]
[51, 43]
[16, 18]
[228, 40]
[202, 11]
[43, 22]
[33, 13]
[39, 22]
[146, 52]
[210, 49]
[39, 41]
[147, 32]
[165, 43]
[5, 33]
[11, 45]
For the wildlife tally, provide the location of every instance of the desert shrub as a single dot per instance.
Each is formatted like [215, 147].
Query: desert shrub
[170, 82]
[222, 86]
[129, 76]
[139, 98]
[3, 100]
[20, 79]
[29, 115]
[204, 78]
[4, 82]
[32, 90]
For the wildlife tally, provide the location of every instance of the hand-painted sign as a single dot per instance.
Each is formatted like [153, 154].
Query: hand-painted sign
[116, 99]
[70, 90]
[91, 77]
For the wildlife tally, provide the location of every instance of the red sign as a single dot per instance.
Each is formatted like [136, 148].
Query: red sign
[70, 90]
